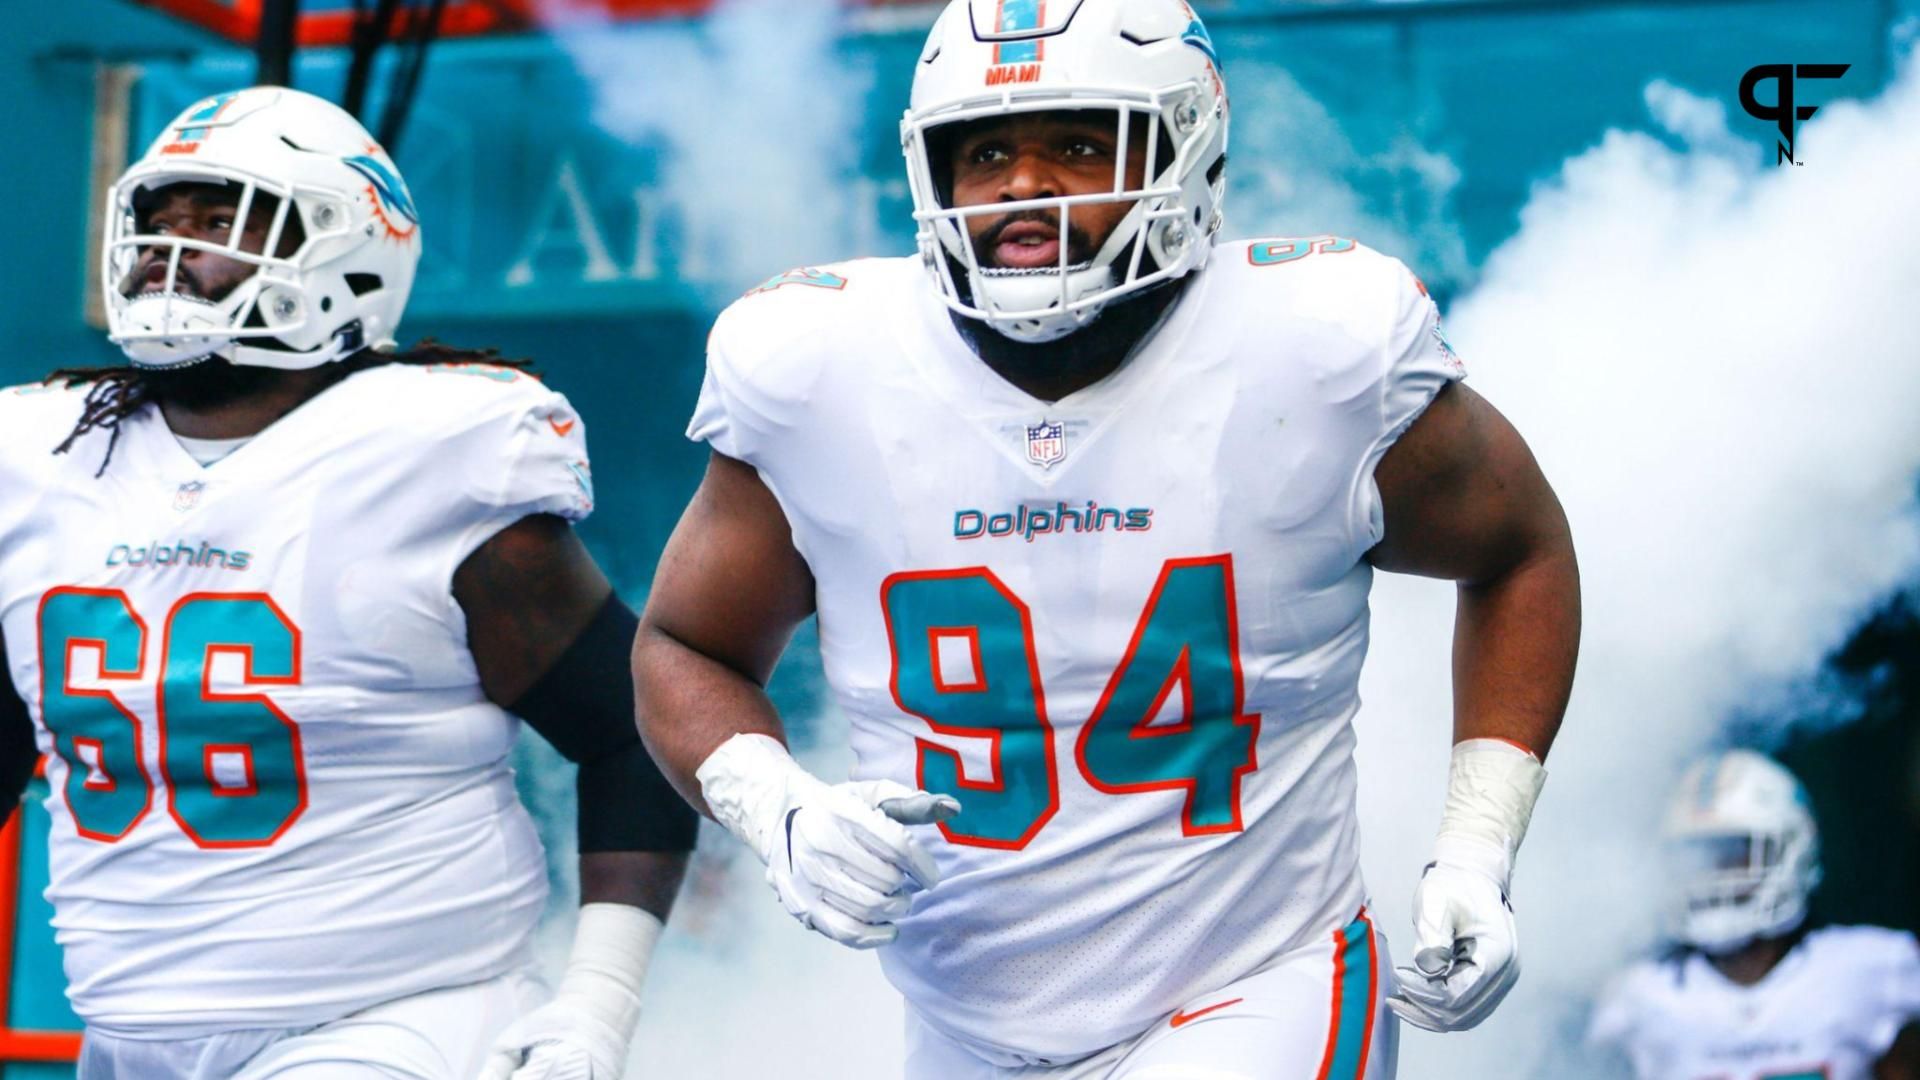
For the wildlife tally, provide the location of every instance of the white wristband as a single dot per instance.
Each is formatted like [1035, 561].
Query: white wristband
[745, 781]
[612, 947]
[1492, 785]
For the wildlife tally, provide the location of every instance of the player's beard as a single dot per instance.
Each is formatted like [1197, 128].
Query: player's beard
[209, 384]
[1094, 350]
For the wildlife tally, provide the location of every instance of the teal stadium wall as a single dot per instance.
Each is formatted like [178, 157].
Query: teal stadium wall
[505, 129]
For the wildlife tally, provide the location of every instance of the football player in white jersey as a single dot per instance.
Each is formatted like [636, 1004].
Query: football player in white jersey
[1752, 992]
[1087, 502]
[272, 598]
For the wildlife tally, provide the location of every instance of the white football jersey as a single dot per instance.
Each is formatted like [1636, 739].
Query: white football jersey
[1827, 1011]
[1124, 628]
[278, 792]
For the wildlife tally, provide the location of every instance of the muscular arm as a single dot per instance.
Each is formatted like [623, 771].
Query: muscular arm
[1465, 500]
[729, 592]
[1902, 1061]
[18, 754]
[529, 593]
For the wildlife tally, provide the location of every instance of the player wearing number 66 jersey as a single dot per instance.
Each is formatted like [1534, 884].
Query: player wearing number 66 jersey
[1087, 502]
[264, 594]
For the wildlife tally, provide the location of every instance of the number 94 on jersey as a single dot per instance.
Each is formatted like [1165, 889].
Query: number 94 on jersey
[1169, 718]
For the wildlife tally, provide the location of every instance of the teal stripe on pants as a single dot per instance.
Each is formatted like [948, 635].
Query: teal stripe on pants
[1355, 998]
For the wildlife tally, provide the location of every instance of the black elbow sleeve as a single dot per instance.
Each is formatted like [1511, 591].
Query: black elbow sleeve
[626, 804]
[584, 707]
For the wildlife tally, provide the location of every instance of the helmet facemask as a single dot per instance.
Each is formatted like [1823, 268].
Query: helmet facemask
[172, 327]
[1038, 304]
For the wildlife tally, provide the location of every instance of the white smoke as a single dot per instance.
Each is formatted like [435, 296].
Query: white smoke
[1294, 171]
[1711, 357]
[757, 118]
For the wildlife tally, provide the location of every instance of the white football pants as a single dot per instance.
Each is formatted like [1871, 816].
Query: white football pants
[1317, 1013]
[440, 1035]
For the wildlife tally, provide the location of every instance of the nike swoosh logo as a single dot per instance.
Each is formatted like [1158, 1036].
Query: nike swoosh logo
[1183, 1017]
[559, 428]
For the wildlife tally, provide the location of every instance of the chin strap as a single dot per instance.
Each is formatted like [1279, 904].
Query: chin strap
[1122, 329]
[997, 291]
[346, 342]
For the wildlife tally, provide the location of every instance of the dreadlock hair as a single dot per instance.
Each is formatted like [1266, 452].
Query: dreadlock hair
[123, 391]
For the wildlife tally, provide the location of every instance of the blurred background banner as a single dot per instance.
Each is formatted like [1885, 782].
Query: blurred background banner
[556, 169]
[331, 22]
[1707, 347]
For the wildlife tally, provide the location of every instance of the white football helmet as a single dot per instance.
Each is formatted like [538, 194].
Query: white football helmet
[1148, 62]
[1747, 848]
[342, 290]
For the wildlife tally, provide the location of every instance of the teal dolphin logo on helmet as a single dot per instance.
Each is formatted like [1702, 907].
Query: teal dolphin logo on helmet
[1196, 35]
[389, 191]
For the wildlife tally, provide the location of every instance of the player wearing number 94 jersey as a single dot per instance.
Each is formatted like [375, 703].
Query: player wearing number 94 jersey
[264, 594]
[1088, 502]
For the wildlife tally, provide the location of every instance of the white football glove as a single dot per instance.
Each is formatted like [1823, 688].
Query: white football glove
[1466, 955]
[1466, 949]
[838, 855]
[583, 1033]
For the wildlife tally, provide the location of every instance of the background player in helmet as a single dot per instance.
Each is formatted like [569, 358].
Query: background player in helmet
[1088, 503]
[1753, 991]
[267, 592]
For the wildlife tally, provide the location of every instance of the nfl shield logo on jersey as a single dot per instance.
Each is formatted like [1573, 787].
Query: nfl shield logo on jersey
[188, 496]
[1046, 443]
